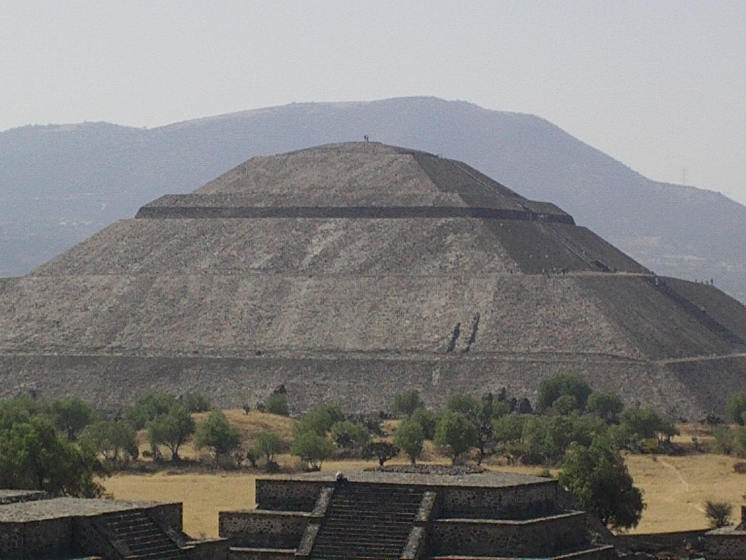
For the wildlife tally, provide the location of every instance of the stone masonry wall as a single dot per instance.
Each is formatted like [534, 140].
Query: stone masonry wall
[542, 537]
[48, 537]
[262, 529]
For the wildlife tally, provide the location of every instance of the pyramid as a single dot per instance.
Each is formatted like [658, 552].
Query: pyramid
[350, 272]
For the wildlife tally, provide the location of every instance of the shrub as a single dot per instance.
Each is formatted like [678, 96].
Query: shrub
[718, 513]
[194, 401]
[723, 440]
[277, 403]
[735, 407]
[739, 467]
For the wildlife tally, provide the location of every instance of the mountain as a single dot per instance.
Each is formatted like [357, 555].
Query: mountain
[61, 183]
[349, 272]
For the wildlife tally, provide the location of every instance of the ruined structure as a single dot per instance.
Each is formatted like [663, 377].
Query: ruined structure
[410, 516]
[350, 272]
[32, 525]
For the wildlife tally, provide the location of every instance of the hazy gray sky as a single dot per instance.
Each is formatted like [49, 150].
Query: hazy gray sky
[659, 85]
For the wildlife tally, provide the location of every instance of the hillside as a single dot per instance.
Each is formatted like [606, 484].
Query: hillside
[60, 184]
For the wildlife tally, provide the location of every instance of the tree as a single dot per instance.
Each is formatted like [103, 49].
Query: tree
[598, 478]
[147, 408]
[217, 434]
[735, 407]
[319, 420]
[718, 513]
[348, 435]
[172, 429]
[268, 444]
[724, 440]
[71, 415]
[34, 456]
[456, 434]
[18, 410]
[115, 441]
[409, 437]
[608, 406]
[427, 419]
[381, 450]
[552, 388]
[277, 403]
[406, 403]
[312, 449]
[646, 423]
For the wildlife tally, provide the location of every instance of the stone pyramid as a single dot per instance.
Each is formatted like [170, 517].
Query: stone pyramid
[351, 272]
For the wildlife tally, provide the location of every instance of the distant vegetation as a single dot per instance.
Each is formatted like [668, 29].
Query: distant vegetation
[65, 446]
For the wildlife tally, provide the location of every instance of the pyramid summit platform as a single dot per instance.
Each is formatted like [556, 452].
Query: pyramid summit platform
[351, 272]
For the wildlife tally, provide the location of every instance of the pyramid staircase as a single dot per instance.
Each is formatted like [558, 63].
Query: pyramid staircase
[367, 521]
[135, 533]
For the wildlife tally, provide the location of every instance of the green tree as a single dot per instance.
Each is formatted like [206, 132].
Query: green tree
[312, 449]
[18, 410]
[735, 407]
[599, 480]
[646, 423]
[71, 415]
[319, 420]
[277, 403]
[608, 406]
[34, 456]
[268, 444]
[148, 407]
[427, 419]
[172, 429]
[115, 441]
[552, 388]
[456, 434]
[406, 403]
[381, 450]
[349, 435]
[409, 437]
[217, 434]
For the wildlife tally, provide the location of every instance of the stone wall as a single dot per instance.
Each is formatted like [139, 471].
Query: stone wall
[725, 544]
[535, 538]
[511, 502]
[36, 538]
[287, 495]
[261, 528]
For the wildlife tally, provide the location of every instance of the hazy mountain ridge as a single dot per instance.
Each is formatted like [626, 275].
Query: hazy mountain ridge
[60, 183]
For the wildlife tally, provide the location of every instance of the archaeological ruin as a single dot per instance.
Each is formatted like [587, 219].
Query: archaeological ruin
[451, 513]
[351, 272]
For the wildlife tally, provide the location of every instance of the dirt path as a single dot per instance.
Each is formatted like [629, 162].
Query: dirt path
[683, 481]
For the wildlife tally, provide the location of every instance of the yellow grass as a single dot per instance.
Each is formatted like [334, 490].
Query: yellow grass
[675, 488]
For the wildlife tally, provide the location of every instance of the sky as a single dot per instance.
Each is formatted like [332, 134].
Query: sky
[658, 85]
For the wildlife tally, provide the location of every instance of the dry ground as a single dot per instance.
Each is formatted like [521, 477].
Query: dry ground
[675, 488]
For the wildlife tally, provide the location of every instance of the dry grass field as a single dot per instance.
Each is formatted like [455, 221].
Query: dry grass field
[675, 488]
